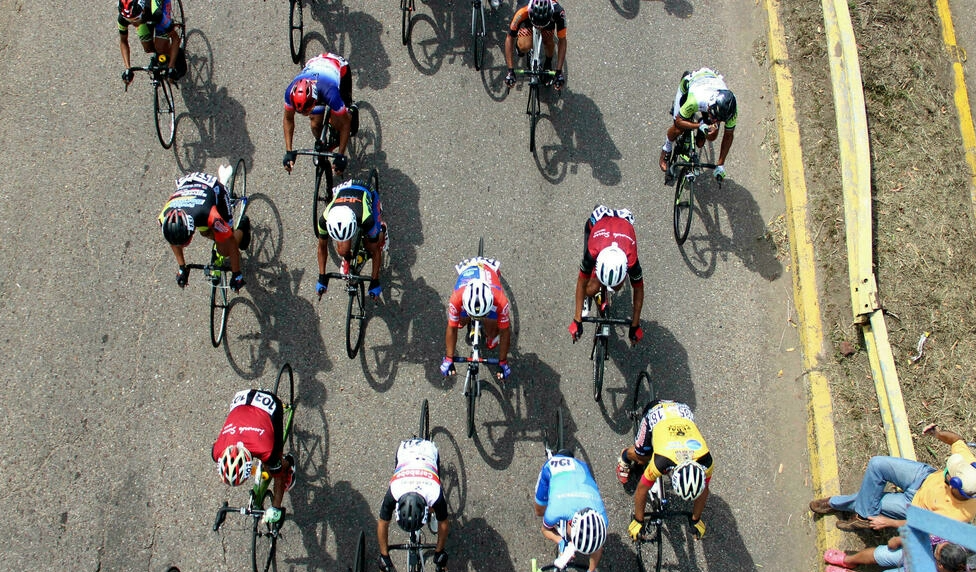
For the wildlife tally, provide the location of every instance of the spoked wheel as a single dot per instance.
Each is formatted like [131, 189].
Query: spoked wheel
[238, 190]
[165, 107]
[533, 114]
[643, 394]
[286, 375]
[355, 319]
[296, 30]
[424, 421]
[472, 384]
[644, 551]
[218, 311]
[323, 192]
[599, 357]
[478, 33]
[264, 545]
[684, 206]
[407, 8]
[359, 564]
[179, 21]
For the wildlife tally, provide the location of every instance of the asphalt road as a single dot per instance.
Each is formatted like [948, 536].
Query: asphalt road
[113, 394]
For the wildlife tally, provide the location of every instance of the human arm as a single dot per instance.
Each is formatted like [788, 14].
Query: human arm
[383, 536]
[944, 435]
[288, 126]
[699, 505]
[638, 289]
[124, 48]
[509, 49]
[279, 483]
[504, 343]
[343, 124]
[229, 248]
[561, 55]
[443, 529]
[376, 254]
[727, 139]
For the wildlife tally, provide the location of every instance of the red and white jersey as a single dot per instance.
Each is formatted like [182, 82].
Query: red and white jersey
[416, 471]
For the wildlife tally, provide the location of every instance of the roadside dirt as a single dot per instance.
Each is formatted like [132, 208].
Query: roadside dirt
[924, 233]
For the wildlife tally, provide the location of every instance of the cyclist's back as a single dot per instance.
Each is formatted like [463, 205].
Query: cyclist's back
[669, 435]
[565, 486]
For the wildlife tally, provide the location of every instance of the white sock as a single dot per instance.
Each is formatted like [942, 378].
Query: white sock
[668, 144]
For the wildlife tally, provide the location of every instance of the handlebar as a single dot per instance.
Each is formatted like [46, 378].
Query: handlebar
[463, 359]
[346, 277]
[224, 510]
[599, 320]
[314, 153]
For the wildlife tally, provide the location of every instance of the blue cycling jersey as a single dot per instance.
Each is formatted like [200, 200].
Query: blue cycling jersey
[566, 486]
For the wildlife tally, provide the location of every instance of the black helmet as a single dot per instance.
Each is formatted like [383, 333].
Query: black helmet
[177, 227]
[540, 12]
[722, 107]
[411, 512]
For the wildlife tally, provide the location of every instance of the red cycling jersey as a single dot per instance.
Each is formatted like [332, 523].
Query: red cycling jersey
[249, 425]
[605, 228]
[479, 269]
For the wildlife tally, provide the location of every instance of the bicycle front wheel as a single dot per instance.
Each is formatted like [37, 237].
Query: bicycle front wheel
[355, 320]
[406, 7]
[643, 394]
[424, 421]
[165, 108]
[296, 30]
[533, 114]
[472, 384]
[684, 206]
[599, 357]
[478, 33]
[359, 564]
[218, 314]
[323, 195]
[264, 545]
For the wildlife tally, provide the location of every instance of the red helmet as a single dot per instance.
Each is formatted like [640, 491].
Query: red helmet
[131, 9]
[303, 96]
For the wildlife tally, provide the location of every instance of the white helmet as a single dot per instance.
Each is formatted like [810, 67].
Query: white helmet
[688, 480]
[611, 266]
[341, 223]
[588, 531]
[477, 299]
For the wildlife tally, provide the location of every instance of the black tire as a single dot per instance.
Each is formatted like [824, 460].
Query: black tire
[481, 246]
[533, 114]
[296, 31]
[287, 374]
[684, 206]
[643, 394]
[359, 564]
[263, 546]
[374, 180]
[238, 190]
[472, 383]
[164, 107]
[406, 8]
[424, 421]
[179, 21]
[599, 357]
[218, 314]
[355, 320]
[323, 195]
[478, 34]
[560, 430]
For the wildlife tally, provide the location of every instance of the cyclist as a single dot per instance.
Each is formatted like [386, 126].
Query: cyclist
[414, 492]
[668, 441]
[253, 432]
[609, 249]
[202, 203]
[478, 294]
[550, 18]
[325, 82]
[354, 207]
[566, 491]
[702, 92]
[153, 21]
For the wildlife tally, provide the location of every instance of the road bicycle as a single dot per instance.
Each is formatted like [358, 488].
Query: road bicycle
[407, 8]
[553, 442]
[321, 154]
[164, 103]
[536, 76]
[416, 548]
[658, 507]
[356, 283]
[478, 31]
[218, 272]
[359, 562]
[296, 30]
[601, 336]
[264, 537]
[472, 379]
[684, 168]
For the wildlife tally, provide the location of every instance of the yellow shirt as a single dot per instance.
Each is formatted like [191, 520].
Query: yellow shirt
[675, 439]
[936, 495]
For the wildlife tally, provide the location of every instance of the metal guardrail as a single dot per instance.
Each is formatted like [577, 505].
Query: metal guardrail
[915, 537]
[855, 160]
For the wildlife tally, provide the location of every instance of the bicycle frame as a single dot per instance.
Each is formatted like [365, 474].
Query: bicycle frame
[472, 380]
[415, 550]
[600, 352]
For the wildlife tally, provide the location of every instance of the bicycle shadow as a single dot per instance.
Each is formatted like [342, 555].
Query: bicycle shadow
[452, 473]
[572, 133]
[432, 38]
[368, 60]
[629, 9]
[483, 548]
[747, 233]
[214, 124]
[724, 546]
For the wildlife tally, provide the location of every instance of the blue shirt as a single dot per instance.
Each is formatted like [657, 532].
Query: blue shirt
[565, 487]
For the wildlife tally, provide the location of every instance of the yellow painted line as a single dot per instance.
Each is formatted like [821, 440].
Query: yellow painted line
[961, 95]
[820, 426]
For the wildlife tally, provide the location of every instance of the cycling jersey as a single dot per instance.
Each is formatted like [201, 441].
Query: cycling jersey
[668, 435]
[363, 201]
[696, 92]
[256, 419]
[566, 486]
[206, 201]
[604, 228]
[521, 21]
[157, 16]
[417, 471]
[333, 84]
[485, 269]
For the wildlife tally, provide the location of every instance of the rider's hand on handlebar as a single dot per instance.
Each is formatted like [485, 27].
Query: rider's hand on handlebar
[506, 371]
[447, 367]
[719, 173]
[576, 330]
[288, 161]
[321, 287]
[635, 334]
[375, 289]
[182, 276]
[560, 80]
[510, 78]
[236, 281]
[127, 76]
[339, 164]
[635, 528]
[699, 526]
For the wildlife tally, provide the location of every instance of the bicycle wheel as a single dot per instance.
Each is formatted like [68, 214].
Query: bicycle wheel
[478, 33]
[165, 108]
[218, 313]
[643, 394]
[238, 191]
[684, 206]
[323, 196]
[471, 382]
[296, 30]
[263, 546]
[359, 564]
[533, 114]
[406, 7]
[599, 357]
[481, 246]
[560, 430]
[355, 320]
[424, 421]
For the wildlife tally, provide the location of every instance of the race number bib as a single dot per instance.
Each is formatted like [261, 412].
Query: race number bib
[260, 399]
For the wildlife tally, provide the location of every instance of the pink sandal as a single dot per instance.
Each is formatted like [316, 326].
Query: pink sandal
[836, 557]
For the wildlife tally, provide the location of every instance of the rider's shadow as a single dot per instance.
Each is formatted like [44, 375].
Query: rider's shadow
[724, 546]
[727, 220]
[483, 549]
[571, 132]
[356, 36]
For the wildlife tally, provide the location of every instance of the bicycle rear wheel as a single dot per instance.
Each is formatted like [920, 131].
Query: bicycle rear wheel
[218, 312]
[471, 382]
[323, 195]
[179, 21]
[643, 394]
[359, 564]
[406, 7]
[478, 33]
[599, 357]
[238, 190]
[164, 107]
[355, 320]
[296, 30]
[424, 421]
[533, 114]
[264, 544]
[684, 206]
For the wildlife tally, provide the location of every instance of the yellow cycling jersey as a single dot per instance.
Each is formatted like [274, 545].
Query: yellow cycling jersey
[676, 439]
